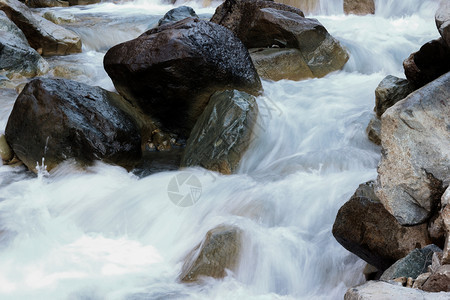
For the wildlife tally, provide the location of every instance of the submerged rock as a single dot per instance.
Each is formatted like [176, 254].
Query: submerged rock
[16, 56]
[359, 7]
[277, 64]
[83, 2]
[261, 24]
[412, 265]
[44, 36]
[427, 64]
[365, 228]
[177, 14]
[379, 290]
[390, 90]
[217, 252]
[6, 153]
[172, 70]
[222, 132]
[415, 163]
[58, 119]
[442, 19]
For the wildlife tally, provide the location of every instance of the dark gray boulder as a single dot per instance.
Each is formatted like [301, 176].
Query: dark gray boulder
[177, 14]
[390, 90]
[171, 71]
[59, 119]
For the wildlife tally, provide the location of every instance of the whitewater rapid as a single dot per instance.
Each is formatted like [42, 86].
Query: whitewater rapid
[105, 233]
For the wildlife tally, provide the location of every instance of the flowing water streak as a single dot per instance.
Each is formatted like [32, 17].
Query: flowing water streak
[107, 234]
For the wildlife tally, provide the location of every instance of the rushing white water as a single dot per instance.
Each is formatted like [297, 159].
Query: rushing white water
[104, 233]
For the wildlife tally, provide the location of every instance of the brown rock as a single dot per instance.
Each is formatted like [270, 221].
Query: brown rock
[446, 222]
[171, 71]
[420, 280]
[365, 228]
[306, 6]
[216, 253]
[46, 3]
[373, 130]
[359, 7]
[6, 153]
[259, 26]
[438, 281]
[277, 64]
[415, 162]
[42, 34]
[427, 64]
[83, 2]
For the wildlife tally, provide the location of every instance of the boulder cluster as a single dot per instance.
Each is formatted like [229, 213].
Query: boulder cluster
[188, 84]
[400, 223]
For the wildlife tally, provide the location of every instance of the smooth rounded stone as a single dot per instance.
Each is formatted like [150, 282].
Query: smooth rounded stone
[412, 265]
[427, 64]
[442, 19]
[260, 26]
[177, 14]
[6, 152]
[171, 71]
[16, 56]
[438, 281]
[366, 229]
[380, 290]
[222, 133]
[218, 251]
[83, 2]
[280, 63]
[42, 35]
[58, 17]
[46, 3]
[389, 91]
[415, 162]
[359, 7]
[373, 130]
[58, 119]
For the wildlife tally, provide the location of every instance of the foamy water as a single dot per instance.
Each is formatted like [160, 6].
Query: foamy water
[105, 233]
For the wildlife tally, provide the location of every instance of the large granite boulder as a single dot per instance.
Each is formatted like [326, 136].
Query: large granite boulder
[442, 19]
[359, 7]
[261, 24]
[222, 132]
[58, 119]
[277, 64]
[364, 227]
[431, 61]
[218, 251]
[412, 265]
[44, 36]
[172, 70]
[415, 164]
[177, 14]
[380, 290]
[16, 56]
[390, 90]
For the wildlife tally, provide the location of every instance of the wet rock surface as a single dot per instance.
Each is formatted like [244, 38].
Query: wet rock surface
[171, 71]
[17, 58]
[177, 14]
[58, 119]
[262, 24]
[222, 133]
[44, 36]
[364, 227]
[390, 90]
